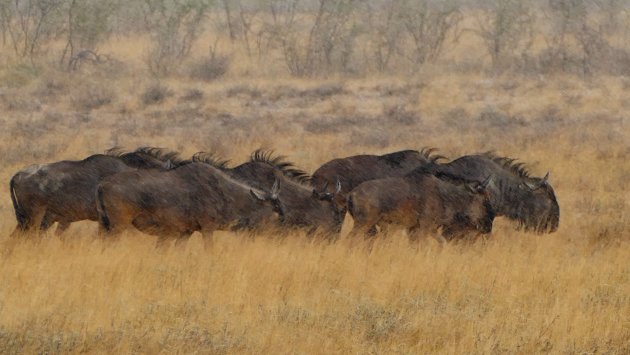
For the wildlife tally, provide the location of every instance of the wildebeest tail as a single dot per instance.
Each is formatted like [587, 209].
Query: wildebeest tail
[102, 212]
[20, 214]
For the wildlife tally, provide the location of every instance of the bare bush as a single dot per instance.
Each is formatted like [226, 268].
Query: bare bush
[87, 25]
[385, 37]
[580, 37]
[427, 25]
[174, 27]
[210, 68]
[92, 96]
[506, 28]
[330, 36]
[192, 95]
[28, 24]
[156, 94]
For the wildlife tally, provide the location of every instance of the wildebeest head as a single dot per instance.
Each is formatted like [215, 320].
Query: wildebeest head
[272, 197]
[335, 197]
[477, 215]
[515, 194]
[539, 206]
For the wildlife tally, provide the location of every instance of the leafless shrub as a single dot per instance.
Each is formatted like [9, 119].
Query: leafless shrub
[50, 86]
[322, 91]
[399, 114]
[211, 67]
[19, 75]
[245, 90]
[330, 36]
[334, 124]
[581, 38]
[427, 25]
[27, 24]
[87, 25]
[493, 118]
[506, 28]
[386, 35]
[174, 27]
[92, 96]
[192, 95]
[155, 94]
[17, 102]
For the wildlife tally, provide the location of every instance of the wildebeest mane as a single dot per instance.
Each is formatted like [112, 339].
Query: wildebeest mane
[211, 159]
[115, 151]
[398, 158]
[161, 154]
[442, 175]
[287, 168]
[517, 168]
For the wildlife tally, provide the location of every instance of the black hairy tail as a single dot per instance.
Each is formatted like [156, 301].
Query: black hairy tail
[20, 214]
[103, 218]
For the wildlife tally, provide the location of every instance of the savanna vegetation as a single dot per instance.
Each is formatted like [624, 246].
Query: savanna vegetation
[547, 82]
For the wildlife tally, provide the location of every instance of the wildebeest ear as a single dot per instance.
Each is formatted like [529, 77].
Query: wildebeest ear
[545, 180]
[541, 183]
[258, 195]
[484, 184]
[169, 165]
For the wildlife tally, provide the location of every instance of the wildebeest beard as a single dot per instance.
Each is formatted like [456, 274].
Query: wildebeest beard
[527, 207]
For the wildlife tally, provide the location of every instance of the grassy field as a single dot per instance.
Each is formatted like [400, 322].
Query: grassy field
[568, 292]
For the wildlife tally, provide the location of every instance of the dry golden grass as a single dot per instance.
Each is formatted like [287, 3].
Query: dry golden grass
[568, 292]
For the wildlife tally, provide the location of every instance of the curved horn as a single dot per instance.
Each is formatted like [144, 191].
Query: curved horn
[275, 189]
[545, 179]
[485, 183]
[337, 186]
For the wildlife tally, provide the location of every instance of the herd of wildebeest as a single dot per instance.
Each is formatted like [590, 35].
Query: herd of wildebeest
[158, 192]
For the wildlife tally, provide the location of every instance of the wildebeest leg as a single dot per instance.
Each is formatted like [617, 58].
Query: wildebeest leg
[162, 242]
[362, 232]
[183, 237]
[47, 221]
[416, 233]
[37, 220]
[206, 235]
[62, 226]
[31, 223]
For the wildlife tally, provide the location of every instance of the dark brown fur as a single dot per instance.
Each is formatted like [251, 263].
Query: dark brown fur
[64, 191]
[61, 191]
[350, 172]
[422, 204]
[299, 208]
[175, 203]
[531, 201]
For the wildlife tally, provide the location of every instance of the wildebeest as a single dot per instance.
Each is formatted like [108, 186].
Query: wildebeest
[178, 202]
[64, 191]
[345, 174]
[514, 193]
[300, 208]
[422, 204]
